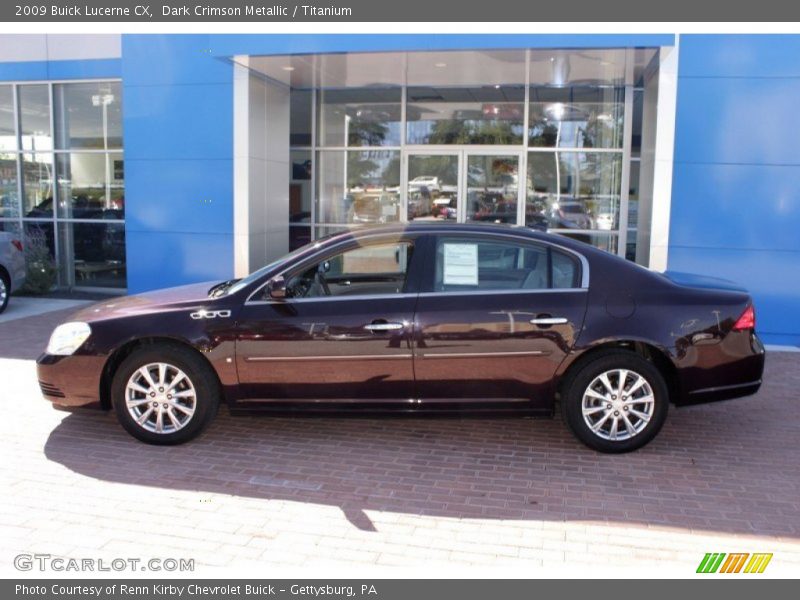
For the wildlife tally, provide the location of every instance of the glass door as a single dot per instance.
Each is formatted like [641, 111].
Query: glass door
[464, 185]
[432, 188]
[492, 187]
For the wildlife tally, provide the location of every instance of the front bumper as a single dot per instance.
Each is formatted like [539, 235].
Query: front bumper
[70, 381]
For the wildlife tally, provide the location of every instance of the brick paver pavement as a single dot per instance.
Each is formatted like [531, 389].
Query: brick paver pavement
[398, 491]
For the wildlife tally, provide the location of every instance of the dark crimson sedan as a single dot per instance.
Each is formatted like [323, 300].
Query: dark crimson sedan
[423, 318]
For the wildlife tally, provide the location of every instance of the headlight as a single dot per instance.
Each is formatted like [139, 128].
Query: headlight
[67, 338]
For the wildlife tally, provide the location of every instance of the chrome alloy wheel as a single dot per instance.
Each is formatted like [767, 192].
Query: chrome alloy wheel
[618, 404]
[3, 291]
[160, 398]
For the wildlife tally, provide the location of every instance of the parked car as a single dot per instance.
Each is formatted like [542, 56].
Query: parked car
[422, 318]
[12, 266]
[430, 182]
[569, 214]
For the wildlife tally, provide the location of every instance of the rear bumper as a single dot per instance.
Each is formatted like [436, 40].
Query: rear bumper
[724, 392]
[70, 381]
[732, 369]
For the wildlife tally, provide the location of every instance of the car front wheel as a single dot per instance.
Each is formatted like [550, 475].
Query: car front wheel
[615, 402]
[164, 394]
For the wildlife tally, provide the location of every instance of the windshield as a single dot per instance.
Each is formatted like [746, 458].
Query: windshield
[256, 275]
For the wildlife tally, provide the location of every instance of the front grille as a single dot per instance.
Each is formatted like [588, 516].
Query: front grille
[50, 390]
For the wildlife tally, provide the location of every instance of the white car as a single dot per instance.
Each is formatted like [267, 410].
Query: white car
[432, 183]
[12, 266]
[605, 221]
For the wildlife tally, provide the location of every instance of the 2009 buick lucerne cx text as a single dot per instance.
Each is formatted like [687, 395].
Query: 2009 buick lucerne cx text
[423, 318]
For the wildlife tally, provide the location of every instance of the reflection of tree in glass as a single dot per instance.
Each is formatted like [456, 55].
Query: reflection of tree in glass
[373, 168]
[363, 132]
[474, 131]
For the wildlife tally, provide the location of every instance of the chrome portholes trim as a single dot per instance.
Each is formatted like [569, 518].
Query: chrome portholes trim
[210, 314]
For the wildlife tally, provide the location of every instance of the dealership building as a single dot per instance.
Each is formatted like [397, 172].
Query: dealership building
[146, 161]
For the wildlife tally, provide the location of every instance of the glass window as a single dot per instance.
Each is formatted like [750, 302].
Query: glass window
[95, 252]
[37, 185]
[576, 117]
[633, 195]
[10, 227]
[636, 134]
[9, 197]
[466, 264]
[360, 117]
[300, 197]
[300, 117]
[367, 270]
[479, 115]
[8, 134]
[40, 252]
[88, 115]
[358, 186]
[492, 186]
[432, 186]
[34, 108]
[630, 246]
[90, 186]
[603, 241]
[575, 190]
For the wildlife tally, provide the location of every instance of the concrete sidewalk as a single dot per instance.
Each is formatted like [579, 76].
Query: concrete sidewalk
[20, 307]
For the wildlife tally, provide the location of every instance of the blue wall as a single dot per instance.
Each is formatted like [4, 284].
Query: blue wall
[736, 179]
[42, 70]
[178, 127]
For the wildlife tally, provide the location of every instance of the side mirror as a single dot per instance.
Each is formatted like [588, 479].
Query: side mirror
[276, 287]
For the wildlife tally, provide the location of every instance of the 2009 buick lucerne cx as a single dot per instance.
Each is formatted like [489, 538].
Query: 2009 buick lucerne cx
[422, 318]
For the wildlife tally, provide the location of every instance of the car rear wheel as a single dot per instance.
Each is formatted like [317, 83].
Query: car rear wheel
[5, 290]
[615, 402]
[164, 394]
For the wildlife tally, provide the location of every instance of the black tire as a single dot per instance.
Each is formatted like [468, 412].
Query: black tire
[580, 379]
[202, 378]
[6, 285]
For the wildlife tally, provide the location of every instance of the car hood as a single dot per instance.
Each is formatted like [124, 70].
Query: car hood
[176, 298]
[703, 281]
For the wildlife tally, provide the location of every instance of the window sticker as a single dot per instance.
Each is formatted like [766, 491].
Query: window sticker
[460, 264]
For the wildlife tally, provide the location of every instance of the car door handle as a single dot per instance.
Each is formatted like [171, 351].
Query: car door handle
[549, 321]
[384, 326]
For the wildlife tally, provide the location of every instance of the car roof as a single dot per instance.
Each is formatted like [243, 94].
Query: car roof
[433, 227]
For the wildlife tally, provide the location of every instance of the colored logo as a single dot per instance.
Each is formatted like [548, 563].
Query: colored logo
[736, 562]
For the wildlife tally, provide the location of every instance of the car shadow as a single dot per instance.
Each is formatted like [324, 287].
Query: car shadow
[728, 467]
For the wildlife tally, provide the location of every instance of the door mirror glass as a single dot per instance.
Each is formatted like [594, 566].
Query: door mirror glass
[276, 288]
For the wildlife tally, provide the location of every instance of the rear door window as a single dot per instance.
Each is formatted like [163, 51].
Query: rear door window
[471, 264]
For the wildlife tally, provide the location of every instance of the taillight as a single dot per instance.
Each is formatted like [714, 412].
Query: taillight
[17, 244]
[747, 321]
